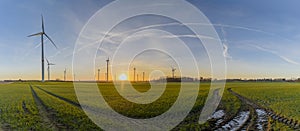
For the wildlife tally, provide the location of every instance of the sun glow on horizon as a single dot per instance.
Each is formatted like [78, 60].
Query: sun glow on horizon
[123, 77]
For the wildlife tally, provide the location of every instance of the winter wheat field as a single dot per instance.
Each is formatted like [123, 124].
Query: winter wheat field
[244, 106]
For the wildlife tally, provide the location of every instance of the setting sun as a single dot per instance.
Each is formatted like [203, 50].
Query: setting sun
[123, 77]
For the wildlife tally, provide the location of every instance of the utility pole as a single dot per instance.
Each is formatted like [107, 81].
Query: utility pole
[137, 77]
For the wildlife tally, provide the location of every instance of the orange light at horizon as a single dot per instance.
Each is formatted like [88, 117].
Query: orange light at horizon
[123, 77]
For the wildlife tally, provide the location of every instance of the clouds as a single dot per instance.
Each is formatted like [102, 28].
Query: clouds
[225, 46]
[225, 52]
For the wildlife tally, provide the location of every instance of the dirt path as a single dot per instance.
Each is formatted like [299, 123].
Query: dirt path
[261, 114]
[2, 82]
[46, 116]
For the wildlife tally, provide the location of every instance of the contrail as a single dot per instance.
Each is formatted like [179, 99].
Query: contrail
[111, 37]
[184, 24]
[275, 53]
[59, 52]
[37, 45]
[188, 36]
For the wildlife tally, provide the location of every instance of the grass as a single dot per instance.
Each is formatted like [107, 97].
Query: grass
[60, 100]
[65, 114]
[283, 98]
[13, 113]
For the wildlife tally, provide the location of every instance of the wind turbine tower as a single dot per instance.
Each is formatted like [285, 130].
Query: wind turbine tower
[134, 74]
[173, 72]
[107, 61]
[49, 64]
[143, 76]
[42, 34]
[98, 74]
[65, 72]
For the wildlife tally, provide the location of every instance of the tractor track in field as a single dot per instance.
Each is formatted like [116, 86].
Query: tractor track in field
[259, 116]
[24, 107]
[249, 117]
[61, 125]
[61, 98]
[252, 123]
[44, 112]
[91, 109]
[237, 122]
[4, 126]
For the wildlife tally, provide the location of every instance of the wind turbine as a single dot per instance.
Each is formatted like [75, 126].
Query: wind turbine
[134, 69]
[42, 34]
[173, 71]
[98, 75]
[107, 61]
[49, 64]
[65, 72]
[143, 76]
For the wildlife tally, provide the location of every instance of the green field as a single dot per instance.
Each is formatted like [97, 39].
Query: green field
[283, 98]
[54, 105]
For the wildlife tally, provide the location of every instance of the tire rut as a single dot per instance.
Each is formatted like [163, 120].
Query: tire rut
[47, 117]
[61, 98]
[25, 109]
[263, 114]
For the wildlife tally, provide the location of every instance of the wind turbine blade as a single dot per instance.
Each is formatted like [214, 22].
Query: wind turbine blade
[51, 40]
[47, 61]
[40, 33]
[42, 23]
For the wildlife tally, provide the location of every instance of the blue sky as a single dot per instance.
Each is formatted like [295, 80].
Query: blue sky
[262, 37]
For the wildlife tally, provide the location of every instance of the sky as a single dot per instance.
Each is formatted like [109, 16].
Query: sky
[260, 38]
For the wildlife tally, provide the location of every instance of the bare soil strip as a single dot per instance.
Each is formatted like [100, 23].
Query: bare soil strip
[47, 117]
